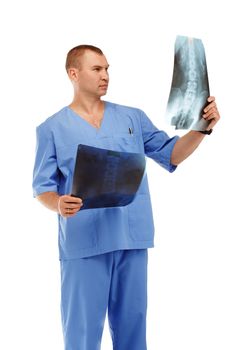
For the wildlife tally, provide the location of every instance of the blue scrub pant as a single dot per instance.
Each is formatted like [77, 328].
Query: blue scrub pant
[115, 281]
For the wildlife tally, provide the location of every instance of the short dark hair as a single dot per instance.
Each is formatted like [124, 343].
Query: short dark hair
[77, 51]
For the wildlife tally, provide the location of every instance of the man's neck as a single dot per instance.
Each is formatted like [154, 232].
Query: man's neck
[87, 106]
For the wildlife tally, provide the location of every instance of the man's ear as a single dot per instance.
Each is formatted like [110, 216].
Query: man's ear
[73, 74]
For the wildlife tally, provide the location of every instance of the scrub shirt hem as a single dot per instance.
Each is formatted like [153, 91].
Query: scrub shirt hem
[102, 250]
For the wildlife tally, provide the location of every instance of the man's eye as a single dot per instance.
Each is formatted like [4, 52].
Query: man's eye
[97, 69]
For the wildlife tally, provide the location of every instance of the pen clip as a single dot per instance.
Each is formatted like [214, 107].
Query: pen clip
[130, 131]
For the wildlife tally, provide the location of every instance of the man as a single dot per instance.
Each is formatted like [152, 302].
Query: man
[103, 252]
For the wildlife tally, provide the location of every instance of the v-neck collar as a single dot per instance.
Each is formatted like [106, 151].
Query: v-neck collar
[84, 121]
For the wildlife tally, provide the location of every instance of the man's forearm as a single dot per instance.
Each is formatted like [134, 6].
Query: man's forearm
[49, 200]
[185, 146]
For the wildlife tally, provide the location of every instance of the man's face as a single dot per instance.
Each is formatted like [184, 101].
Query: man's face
[93, 75]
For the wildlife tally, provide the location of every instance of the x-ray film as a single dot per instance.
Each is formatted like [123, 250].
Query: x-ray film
[105, 178]
[190, 86]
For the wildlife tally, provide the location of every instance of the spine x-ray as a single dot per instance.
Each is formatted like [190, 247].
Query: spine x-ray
[190, 86]
[104, 178]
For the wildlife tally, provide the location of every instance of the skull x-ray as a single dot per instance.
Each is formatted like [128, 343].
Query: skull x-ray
[190, 86]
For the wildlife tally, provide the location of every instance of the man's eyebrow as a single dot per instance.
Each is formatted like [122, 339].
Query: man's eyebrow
[98, 66]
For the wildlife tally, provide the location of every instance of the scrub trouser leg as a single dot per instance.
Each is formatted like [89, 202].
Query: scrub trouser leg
[116, 281]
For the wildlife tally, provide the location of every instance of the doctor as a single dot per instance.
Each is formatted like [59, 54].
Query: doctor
[103, 252]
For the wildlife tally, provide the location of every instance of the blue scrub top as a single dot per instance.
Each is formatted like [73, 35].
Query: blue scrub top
[97, 231]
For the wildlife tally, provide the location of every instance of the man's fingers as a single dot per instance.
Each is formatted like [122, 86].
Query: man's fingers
[211, 105]
[72, 210]
[68, 212]
[72, 205]
[211, 113]
[70, 199]
[211, 98]
[68, 206]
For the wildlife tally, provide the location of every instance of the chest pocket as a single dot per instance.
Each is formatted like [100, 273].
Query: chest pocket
[126, 142]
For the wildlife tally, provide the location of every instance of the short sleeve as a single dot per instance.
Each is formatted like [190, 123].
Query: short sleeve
[157, 144]
[46, 172]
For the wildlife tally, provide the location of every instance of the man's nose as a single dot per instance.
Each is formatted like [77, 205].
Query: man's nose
[104, 75]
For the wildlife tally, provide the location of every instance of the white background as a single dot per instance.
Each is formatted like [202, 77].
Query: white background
[190, 271]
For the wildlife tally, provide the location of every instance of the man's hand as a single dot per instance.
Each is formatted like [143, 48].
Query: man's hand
[187, 144]
[68, 206]
[211, 113]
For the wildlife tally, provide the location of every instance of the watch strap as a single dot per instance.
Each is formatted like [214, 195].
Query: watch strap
[206, 132]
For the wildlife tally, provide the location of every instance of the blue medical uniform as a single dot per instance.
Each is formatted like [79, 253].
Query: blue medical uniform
[103, 252]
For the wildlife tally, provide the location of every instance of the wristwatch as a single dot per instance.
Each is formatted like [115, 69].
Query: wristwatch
[206, 132]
